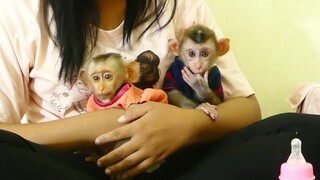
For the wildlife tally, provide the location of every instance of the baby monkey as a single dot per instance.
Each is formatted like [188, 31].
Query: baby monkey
[111, 81]
[193, 80]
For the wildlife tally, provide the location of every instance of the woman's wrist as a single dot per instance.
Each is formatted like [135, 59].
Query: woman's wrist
[196, 123]
[100, 122]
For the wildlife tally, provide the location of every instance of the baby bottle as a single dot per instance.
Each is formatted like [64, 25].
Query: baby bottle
[296, 167]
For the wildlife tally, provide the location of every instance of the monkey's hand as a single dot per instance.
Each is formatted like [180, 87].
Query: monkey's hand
[209, 109]
[198, 83]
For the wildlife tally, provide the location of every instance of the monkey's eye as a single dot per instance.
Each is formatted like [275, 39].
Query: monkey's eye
[192, 54]
[205, 53]
[96, 78]
[107, 76]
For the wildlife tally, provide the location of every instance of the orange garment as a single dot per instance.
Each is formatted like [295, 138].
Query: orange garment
[127, 95]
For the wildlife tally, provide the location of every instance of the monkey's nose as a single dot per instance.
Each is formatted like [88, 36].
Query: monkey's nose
[101, 88]
[198, 65]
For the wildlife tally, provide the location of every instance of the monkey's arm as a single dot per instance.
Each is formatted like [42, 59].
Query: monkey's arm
[207, 95]
[177, 98]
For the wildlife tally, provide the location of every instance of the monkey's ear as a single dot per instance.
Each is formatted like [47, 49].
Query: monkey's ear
[174, 46]
[224, 46]
[133, 72]
[83, 77]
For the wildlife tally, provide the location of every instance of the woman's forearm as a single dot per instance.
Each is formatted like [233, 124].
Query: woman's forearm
[69, 133]
[234, 114]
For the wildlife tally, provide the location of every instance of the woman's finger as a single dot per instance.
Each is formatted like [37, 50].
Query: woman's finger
[118, 134]
[148, 165]
[132, 114]
[117, 155]
[128, 163]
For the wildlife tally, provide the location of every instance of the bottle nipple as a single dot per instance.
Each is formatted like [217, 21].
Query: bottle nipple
[296, 156]
[296, 167]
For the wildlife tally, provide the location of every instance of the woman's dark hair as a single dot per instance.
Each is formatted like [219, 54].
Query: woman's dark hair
[76, 23]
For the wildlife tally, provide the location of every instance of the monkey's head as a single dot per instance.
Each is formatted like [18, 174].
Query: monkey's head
[105, 74]
[199, 48]
[148, 69]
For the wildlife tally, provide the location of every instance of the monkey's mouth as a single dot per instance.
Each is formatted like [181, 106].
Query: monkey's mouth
[197, 71]
[103, 97]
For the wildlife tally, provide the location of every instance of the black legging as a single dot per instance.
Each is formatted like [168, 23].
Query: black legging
[255, 152]
[21, 159]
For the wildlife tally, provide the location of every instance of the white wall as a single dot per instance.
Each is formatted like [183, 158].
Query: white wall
[276, 43]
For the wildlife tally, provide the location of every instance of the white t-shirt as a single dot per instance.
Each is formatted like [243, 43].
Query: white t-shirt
[30, 62]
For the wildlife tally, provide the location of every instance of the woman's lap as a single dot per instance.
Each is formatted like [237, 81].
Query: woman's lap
[255, 152]
[20, 158]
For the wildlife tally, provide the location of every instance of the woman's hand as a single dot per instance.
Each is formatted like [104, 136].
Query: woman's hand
[157, 134]
[163, 129]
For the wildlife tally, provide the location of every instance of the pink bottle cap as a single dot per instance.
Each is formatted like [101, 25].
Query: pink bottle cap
[296, 167]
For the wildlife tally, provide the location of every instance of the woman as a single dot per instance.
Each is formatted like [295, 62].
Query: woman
[43, 45]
